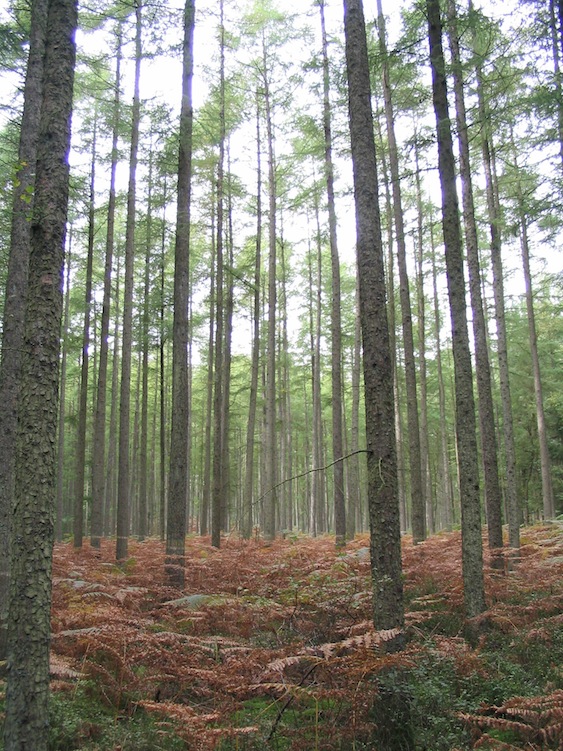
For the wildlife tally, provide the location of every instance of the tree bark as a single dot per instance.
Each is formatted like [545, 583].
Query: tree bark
[385, 541]
[16, 290]
[27, 692]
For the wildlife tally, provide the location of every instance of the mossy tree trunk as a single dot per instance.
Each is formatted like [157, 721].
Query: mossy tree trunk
[383, 501]
[27, 691]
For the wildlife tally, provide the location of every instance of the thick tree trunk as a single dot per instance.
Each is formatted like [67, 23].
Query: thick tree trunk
[472, 547]
[383, 502]
[123, 482]
[179, 438]
[26, 724]
[16, 290]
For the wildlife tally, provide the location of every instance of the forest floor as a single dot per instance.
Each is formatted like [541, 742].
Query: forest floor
[272, 647]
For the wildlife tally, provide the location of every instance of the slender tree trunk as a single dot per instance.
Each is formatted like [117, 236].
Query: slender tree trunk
[110, 484]
[16, 290]
[493, 209]
[26, 723]
[226, 374]
[144, 458]
[472, 547]
[545, 461]
[493, 495]
[421, 304]
[255, 362]
[123, 482]
[162, 379]
[80, 450]
[383, 502]
[179, 440]
[218, 417]
[443, 460]
[336, 303]
[424, 447]
[99, 439]
[354, 503]
[62, 399]
[418, 501]
[206, 493]
[270, 499]
[319, 490]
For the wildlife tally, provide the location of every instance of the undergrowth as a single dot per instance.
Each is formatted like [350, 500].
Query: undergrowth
[272, 647]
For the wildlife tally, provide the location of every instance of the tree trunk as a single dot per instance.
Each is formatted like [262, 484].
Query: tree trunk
[179, 439]
[218, 416]
[270, 496]
[493, 210]
[110, 484]
[162, 372]
[16, 290]
[255, 362]
[472, 547]
[123, 482]
[418, 501]
[545, 461]
[336, 303]
[144, 450]
[206, 492]
[62, 399]
[99, 439]
[493, 495]
[80, 450]
[26, 723]
[354, 488]
[385, 542]
[443, 460]
[227, 357]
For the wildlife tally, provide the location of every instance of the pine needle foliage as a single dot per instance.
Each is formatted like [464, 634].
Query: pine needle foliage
[273, 647]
